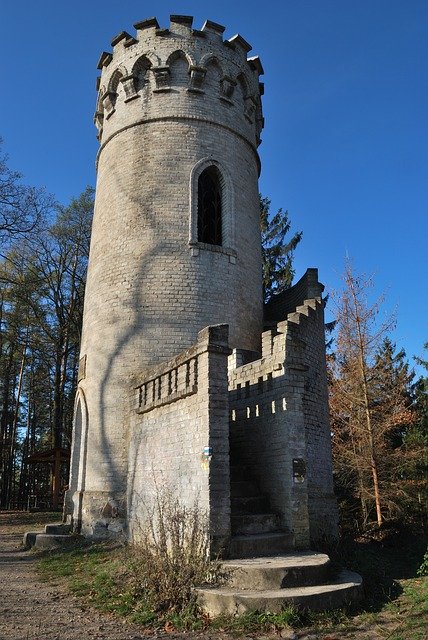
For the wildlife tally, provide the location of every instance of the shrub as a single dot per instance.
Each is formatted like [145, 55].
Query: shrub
[172, 557]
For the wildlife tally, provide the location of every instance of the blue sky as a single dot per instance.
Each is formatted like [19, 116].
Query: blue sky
[345, 143]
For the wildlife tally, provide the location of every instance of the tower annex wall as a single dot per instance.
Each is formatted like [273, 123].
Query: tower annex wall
[279, 423]
[185, 400]
[171, 103]
[268, 415]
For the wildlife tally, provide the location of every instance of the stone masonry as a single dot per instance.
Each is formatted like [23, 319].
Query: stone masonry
[178, 381]
[279, 417]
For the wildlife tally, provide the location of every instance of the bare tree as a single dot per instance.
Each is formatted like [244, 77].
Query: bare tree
[369, 401]
[22, 208]
[42, 281]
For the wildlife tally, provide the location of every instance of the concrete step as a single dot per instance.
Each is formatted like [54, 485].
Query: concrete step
[345, 589]
[243, 489]
[249, 504]
[29, 539]
[253, 523]
[55, 536]
[57, 528]
[45, 541]
[261, 544]
[278, 572]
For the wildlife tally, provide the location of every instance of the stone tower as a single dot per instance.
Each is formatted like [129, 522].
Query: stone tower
[175, 241]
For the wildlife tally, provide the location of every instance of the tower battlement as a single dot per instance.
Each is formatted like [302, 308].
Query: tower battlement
[179, 72]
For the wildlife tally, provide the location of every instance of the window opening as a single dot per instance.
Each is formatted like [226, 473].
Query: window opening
[209, 206]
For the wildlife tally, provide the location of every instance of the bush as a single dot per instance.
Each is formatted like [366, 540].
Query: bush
[172, 557]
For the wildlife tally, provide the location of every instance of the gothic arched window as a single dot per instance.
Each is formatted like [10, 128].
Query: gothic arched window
[209, 206]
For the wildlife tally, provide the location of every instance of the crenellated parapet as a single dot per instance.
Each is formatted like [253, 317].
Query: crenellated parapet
[179, 72]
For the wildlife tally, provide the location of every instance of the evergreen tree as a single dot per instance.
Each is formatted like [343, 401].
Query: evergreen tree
[413, 468]
[277, 252]
[421, 396]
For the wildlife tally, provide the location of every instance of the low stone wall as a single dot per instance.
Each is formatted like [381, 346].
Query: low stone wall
[179, 441]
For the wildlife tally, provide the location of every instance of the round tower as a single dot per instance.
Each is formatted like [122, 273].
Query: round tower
[175, 239]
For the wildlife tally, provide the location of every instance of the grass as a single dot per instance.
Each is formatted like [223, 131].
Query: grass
[395, 606]
[411, 611]
[393, 566]
[103, 575]
[99, 574]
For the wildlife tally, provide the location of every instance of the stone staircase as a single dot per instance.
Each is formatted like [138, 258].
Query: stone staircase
[264, 573]
[269, 584]
[255, 528]
[55, 536]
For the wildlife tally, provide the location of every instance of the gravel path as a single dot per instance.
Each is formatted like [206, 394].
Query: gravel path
[34, 610]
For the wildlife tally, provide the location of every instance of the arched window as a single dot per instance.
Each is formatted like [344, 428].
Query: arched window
[211, 222]
[210, 206]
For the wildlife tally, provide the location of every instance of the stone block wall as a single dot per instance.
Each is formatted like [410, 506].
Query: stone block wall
[179, 440]
[279, 420]
[171, 102]
[280, 305]
[267, 429]
[322, 504]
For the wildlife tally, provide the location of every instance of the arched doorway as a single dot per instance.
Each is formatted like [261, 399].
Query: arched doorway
[74, 494]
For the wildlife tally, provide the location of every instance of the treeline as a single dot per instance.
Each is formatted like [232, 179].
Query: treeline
[43, 265]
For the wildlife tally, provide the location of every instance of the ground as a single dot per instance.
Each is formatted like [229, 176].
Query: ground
[35, 609]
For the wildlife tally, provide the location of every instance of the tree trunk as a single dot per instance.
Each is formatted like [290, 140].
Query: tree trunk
[368, 420]
[14, 429]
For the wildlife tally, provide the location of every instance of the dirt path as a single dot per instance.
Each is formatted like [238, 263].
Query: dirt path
[35, 610]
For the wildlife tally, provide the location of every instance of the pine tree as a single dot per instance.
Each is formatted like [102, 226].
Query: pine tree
[277, 253]
[413, 466]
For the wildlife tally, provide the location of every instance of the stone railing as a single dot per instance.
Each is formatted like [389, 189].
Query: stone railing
[178, 378]
[174, 383]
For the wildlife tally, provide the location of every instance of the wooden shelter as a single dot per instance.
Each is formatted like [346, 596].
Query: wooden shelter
[55, 457]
